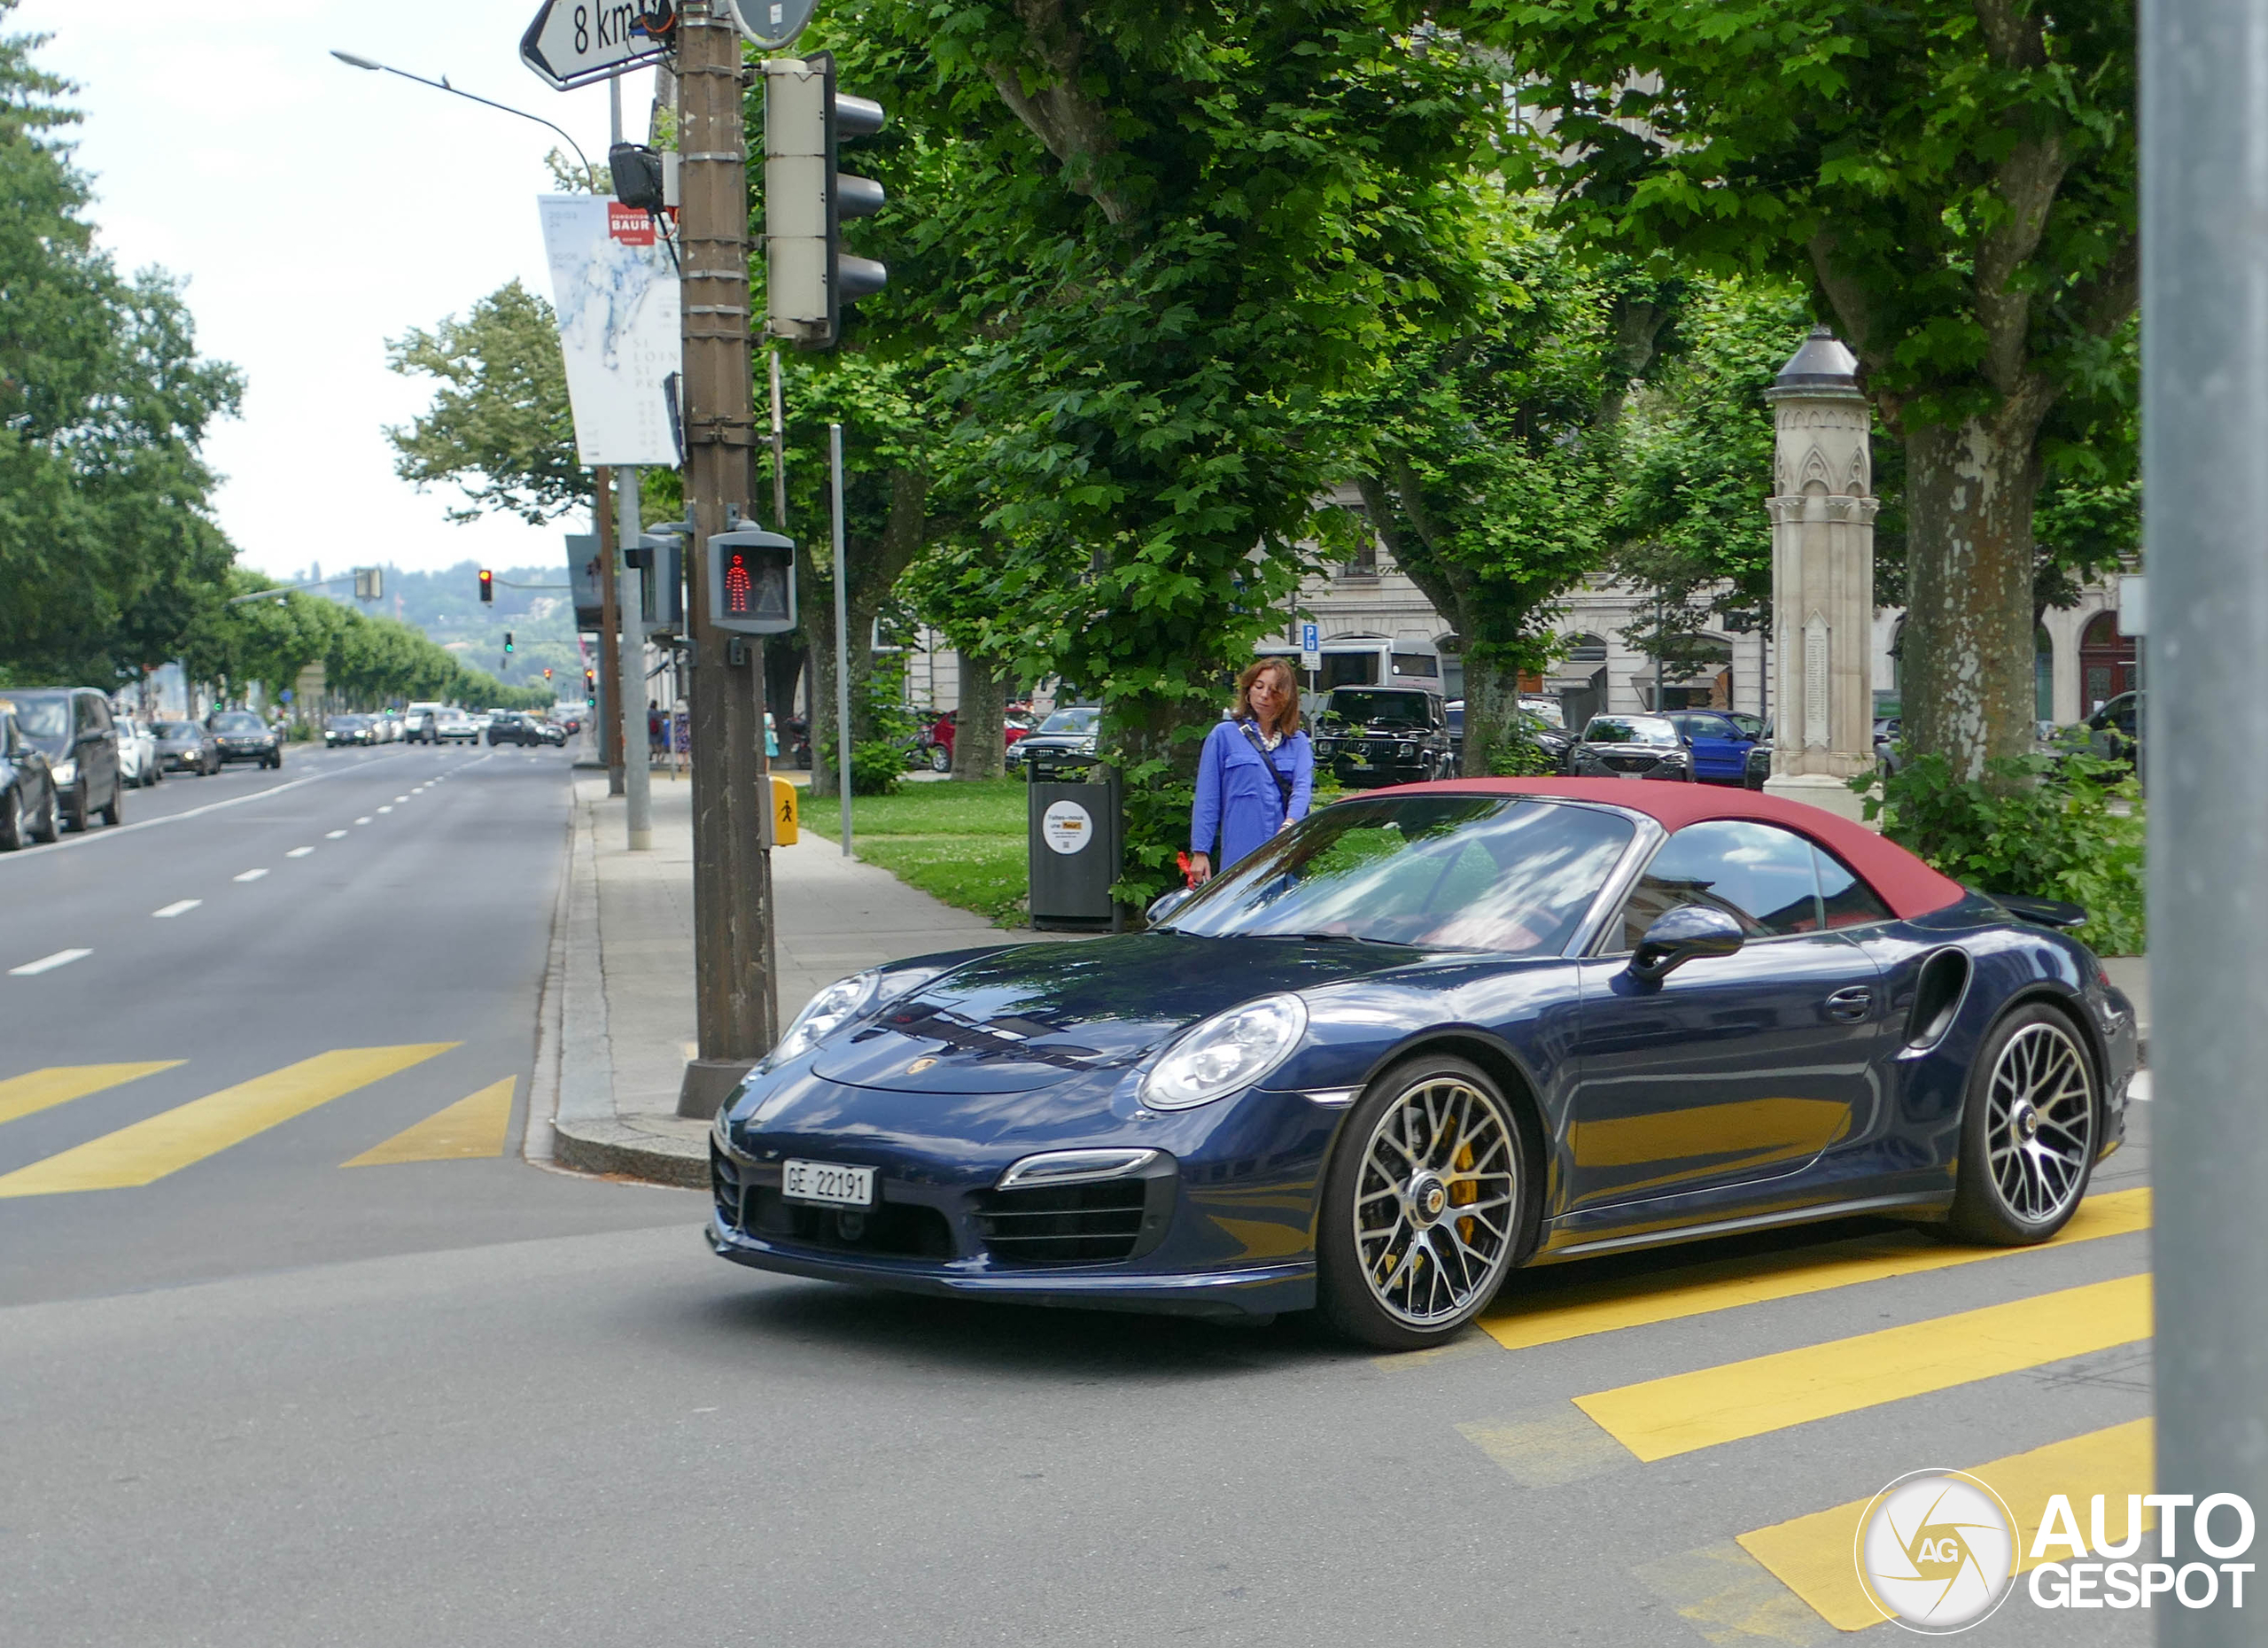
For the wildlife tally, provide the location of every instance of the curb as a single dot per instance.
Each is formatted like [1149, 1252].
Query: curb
[585, 1133]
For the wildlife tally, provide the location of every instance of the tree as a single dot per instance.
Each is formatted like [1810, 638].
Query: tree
[1485, 459]
[499, 428]
[1182, 228]
[107, 549]
[1955, 180]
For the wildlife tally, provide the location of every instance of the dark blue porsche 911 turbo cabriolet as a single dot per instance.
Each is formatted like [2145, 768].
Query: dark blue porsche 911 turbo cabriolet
[1431, 1035]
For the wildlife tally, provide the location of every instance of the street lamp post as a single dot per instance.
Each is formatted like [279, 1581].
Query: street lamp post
[590, 178]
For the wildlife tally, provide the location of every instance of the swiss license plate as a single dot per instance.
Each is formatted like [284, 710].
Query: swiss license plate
[1641, 777]
[830, 1182]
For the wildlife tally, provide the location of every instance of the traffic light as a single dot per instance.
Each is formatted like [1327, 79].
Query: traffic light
[507, 642]
[809, 277]
[591, 689]
[546, 672]
[752, 582]
[487, 584]
[370, 583]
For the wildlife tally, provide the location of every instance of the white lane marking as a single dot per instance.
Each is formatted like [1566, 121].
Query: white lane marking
[298, 852]
[252, 875]
[48, 964]
[401, 798]
[113, 831]
[333, 835]
[365, 818]
[179, 907]
[386, 809]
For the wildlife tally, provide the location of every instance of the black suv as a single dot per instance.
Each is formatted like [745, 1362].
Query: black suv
[1367, 736]
[243, 736]
[71, 726]
[518, 729]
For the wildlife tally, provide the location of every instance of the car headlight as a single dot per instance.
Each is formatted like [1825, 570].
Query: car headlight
[65, 771]
[1227, 1052]
[840, 1002]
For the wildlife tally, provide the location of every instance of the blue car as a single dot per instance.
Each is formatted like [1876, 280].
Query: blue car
[1720, 744]
[1428, 1036]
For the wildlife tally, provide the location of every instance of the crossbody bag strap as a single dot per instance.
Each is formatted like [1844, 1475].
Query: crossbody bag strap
[1283, 781]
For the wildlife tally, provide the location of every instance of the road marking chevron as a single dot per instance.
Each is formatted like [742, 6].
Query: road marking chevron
[148, 1150]
[473, 1126]
[43, 1090]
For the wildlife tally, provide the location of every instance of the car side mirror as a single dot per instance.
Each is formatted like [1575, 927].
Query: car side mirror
[1165, 904]
[1682, 935]
[1686, 739]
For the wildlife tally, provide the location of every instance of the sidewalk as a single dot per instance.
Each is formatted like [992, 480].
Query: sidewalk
[618, 1010]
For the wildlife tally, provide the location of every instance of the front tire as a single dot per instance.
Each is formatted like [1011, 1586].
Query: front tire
[1425, 1207]
[15, 821]
[111, 814]
[47, 827]
[941, 760]
[2027, 1132]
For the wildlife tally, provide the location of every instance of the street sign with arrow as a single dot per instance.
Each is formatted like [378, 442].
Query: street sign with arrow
[573, 43]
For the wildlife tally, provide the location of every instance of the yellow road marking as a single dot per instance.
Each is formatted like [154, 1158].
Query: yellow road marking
[1664, 1417]
[475, 1126]
[43, 1090]
[1813, 1555]
[174, 1138]
[1752, 1278]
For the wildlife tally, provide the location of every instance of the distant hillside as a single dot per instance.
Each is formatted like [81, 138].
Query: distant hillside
[448, 607]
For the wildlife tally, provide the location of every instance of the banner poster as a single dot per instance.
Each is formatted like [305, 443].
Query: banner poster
[616, 289]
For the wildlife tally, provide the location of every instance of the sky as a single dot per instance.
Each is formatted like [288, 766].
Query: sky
[316, 211]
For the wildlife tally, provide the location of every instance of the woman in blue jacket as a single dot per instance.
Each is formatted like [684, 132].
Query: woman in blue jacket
[1257, 771]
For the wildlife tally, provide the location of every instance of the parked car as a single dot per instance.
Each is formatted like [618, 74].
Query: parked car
[243, 736]
[1886, 746]
[28, 808]
[137, 751]
[455, 726]
[2115, 731]
[1759, 766]
[71, 726]
[1633, 746]
[187, 747]
[1548, 735]
[937, 738]
[1751, 725]
[1720, 747]
[1427, 1037]
[1365, 737]
[550, 732]
[1063, 744]
[349, 729]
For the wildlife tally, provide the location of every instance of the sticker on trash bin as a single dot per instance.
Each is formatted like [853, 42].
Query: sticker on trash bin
[1067, 825]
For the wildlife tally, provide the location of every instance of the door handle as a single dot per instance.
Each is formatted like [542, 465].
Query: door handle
[1852, 1005]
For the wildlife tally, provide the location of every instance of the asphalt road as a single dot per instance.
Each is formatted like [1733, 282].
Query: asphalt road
[267, 1398]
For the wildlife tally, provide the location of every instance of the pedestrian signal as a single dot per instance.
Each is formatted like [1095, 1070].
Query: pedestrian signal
[752, 582]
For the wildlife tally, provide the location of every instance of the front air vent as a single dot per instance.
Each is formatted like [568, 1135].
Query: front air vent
[1936, 998]
[1093, 1224]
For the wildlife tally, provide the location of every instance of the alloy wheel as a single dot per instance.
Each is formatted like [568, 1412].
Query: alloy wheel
[19, 833]
[1434, 1201]
[2040, 1122]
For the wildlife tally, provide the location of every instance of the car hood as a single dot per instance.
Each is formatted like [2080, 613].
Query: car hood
[1040, 1015]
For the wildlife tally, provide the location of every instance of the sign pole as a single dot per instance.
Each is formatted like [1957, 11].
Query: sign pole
[637, 748]
[841, 643]
[734, 1008]
[611, 709]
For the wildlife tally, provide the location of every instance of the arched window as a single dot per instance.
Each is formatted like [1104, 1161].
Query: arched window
[2043, 674]
[2106, 663]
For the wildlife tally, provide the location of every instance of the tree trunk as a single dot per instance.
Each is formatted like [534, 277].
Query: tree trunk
[980, 734]
[1967, 691]
[1492, 705]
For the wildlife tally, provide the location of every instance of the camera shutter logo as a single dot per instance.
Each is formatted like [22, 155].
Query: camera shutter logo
[1937, 1551]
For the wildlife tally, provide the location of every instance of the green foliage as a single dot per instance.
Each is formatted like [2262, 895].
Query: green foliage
[877, 768]
[106, 549]
[499, 428]
[1518, 755]
[2039, 826]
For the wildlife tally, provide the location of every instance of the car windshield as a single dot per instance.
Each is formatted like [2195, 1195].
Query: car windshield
[1366, 707]
[1546, 709]
[1629, 729]
[1507, 874]
[1071, 721]
[238, 721]
[44, 720]
[175, 729]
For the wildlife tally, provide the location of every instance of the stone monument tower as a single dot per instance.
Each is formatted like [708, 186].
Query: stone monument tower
[1822, 515]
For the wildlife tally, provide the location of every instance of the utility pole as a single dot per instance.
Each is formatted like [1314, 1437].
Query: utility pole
[732, 868]
[2204, 210]
[611, 699]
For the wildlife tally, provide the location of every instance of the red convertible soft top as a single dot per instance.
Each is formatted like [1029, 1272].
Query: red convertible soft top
[1909, 886]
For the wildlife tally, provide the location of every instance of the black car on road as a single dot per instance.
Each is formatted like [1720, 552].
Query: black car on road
[1365, 737]
[27, 803]
[71, 726]
[187, 747]
[522, 729]
[242, 737]
[349, 729]
[1633, 746]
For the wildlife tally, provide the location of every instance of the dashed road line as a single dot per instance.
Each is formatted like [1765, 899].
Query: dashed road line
[251, 875]
[298, 852]
[365, 818]
[179, 907]
[48, 964]
[334, 835]
[386, 809]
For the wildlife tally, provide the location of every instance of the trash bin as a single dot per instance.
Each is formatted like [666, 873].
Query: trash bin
[1076, 837]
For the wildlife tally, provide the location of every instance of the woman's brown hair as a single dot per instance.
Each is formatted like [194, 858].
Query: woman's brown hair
[1288, 722]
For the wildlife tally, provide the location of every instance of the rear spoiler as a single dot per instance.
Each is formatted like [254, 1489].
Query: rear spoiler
[2045, 912]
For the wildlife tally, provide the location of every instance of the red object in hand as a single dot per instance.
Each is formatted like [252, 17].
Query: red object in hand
[1188, 871]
